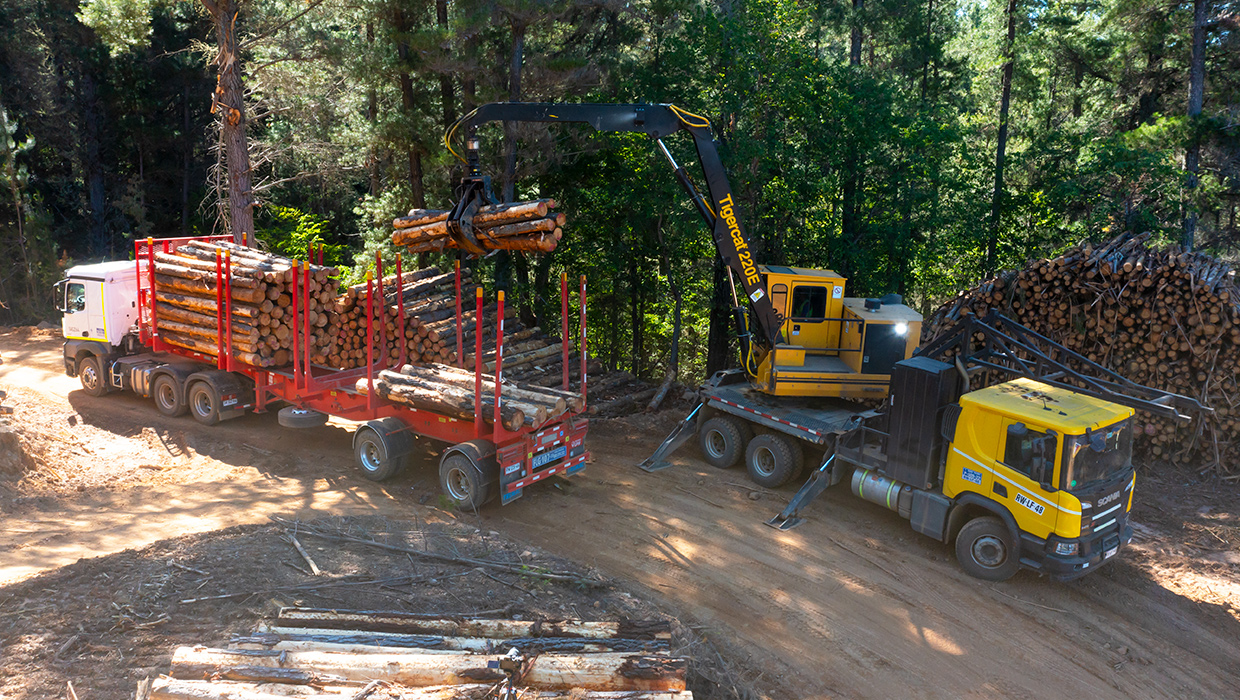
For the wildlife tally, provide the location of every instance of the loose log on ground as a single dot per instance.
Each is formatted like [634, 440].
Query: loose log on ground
[178, 689]
[613, 671]
[306, 639]
[415, 623]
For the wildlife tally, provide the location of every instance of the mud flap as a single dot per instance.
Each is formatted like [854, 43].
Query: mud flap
[818, 482]
[678, 437]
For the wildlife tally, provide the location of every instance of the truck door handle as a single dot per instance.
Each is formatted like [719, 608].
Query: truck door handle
[1000, 489]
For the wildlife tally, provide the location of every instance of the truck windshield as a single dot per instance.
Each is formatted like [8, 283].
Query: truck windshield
[1084, 463]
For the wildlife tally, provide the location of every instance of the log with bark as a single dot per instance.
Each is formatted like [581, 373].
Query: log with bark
[609, 671]
[522, 226]
[179, 689]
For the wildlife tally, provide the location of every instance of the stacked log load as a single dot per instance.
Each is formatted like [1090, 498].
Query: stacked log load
[521, 226]
[262, 301]
[307, 653]
[1163, 317]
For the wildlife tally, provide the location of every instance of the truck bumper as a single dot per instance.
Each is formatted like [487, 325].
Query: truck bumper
[1095, 551]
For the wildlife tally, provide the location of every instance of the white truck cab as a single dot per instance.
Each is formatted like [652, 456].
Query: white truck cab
[99, 302]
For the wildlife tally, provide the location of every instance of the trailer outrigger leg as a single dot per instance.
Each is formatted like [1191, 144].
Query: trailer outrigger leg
[683, 433]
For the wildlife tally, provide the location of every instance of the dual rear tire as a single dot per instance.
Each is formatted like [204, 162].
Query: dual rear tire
[772, 459]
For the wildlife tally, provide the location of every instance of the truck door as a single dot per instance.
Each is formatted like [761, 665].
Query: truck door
[1026, 456]
[807, 325]
[76, 322]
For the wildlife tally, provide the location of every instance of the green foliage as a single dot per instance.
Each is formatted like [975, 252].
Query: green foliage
[122, 25]
[293, 233]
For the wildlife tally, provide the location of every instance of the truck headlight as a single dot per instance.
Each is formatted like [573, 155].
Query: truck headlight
[1066, 549]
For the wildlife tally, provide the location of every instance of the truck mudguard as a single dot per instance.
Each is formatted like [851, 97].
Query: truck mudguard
[955, 518]
[397, 438]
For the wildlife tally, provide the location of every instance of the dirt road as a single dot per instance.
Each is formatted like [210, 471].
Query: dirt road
[851, 604]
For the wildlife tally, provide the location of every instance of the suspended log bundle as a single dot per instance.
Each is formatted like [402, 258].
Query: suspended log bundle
[1166, 318]
[261, 291]
[522, 226]
[343, 657]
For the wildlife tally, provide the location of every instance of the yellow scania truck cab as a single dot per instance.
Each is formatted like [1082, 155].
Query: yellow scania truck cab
[1057, 462]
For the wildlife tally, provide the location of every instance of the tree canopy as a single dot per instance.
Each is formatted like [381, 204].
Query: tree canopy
[912, 146]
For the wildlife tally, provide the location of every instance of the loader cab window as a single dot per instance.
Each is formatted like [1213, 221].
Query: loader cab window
[779, 299]
[1030, 451]
[75, 297]
[809, 303]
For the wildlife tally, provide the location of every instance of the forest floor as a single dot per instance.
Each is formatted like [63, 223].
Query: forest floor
[850, 604]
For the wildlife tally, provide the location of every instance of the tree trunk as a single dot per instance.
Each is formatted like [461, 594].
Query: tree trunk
[92, 167]
[1196, 94]
[854, 51]
[719, 340]
[187, 157]
[1005, 101]
[514, 95]
[230, 105]
[446, 93]
[408, 103]
[372, 118]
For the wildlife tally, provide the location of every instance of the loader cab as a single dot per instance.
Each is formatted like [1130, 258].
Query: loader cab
[98, 302]
[1049, 456]
[832, 345]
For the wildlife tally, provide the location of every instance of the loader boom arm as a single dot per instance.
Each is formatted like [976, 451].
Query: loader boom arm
[657, 121]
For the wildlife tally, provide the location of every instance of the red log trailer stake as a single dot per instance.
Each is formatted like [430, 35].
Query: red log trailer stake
[478, 360]
[564, 342]
[370, 343]
[583, 343]
[228, 362]
[460, 339]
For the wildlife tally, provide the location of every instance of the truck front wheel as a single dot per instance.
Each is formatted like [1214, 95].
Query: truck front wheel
[773, 460]
[90, 371]
[204, 403]
[722, 440]
[169, 396]
[985, 549]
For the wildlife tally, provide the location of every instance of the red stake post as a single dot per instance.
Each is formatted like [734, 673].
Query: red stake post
[383, 340]
[499, 362]
[401, 344]
[228, 363]
[305, 324]
[219, 310]
[370, 343]
[583, 343]
[296, 300]
[478, 361]
[564, 342]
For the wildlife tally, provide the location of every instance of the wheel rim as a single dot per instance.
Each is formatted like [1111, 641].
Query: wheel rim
[458, 485]
[202, 403]
[989, 551]
[370, 457]
[166, 396]
[764, 461]
[90, 378]
[716, 444]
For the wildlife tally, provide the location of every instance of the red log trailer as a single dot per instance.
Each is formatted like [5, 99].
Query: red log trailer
[113, 342]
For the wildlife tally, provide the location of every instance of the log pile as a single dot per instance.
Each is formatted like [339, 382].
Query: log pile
[1162, 317]
[262, 301]
[450, 390]
[522, 226]
[308, 653]
[426, 298]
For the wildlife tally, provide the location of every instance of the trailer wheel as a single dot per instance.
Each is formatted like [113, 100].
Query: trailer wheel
[772, 460]
[90, 372]
[985, 549]
[204, 403]
[722, 440]
[169, 396]
[462, 482]
[372, 456]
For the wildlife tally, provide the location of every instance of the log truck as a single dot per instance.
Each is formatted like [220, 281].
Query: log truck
[113, 342]
[1033, 472]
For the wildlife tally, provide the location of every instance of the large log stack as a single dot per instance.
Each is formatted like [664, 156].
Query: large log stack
[522, 226]
[261, 296]
[1165, 318]
[345, 654]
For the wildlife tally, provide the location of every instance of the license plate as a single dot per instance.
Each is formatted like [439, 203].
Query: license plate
[550, 456]
[1110, 553]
